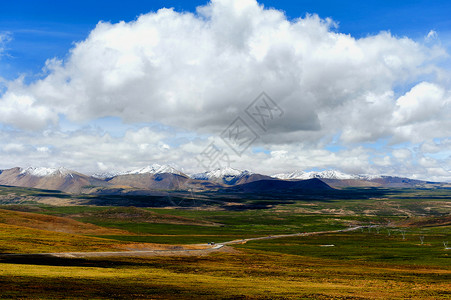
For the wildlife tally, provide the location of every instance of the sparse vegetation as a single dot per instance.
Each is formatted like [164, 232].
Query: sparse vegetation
[19, 239]
[374, 263]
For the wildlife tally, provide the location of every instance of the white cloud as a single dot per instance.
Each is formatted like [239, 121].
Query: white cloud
[92, 151]
[197, 72]
[432, 35]
[402, 154]
[25, 112]
[5, 38]
[422, 103]
[13, 148]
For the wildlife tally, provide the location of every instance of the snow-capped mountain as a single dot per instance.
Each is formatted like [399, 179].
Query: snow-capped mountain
[327, 174]
[153, 177]
[43, 172]
[220, 174]
[152, 169]
[60, 179]
[370, 177]
[158, 177]
[105, 175]
[229, 176]
[292, 175]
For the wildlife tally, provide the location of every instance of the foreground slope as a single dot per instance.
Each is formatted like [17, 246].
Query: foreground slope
[243, 274]
[53, 223]
[20, 239]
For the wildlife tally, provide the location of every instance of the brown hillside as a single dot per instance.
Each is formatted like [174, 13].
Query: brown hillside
[165, 181]
[428, 221]
[52, 223]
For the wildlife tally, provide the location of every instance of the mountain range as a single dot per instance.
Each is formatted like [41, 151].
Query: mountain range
[49, 178]
[158, 177]
[230, 176]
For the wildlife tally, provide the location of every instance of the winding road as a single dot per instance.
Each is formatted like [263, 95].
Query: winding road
[204, 251]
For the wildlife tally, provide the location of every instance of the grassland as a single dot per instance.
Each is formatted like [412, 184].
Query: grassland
[18, 239]
[53, 223]
[367, 247]
[388, 261]
[247, 274]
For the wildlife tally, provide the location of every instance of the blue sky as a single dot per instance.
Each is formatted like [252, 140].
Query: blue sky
[123, 95]
[48, 28]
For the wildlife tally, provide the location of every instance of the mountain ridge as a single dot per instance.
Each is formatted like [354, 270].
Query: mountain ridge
[229, 176]
[151, 169]
[48, 178]
[165, 177]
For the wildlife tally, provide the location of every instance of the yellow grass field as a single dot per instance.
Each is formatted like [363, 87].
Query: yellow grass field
[288, 268]
[247, 274]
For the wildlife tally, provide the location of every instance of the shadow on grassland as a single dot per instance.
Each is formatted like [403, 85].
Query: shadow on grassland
[233, 199]
[50, 260]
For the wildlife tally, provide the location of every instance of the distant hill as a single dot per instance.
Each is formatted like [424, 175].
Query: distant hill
[328, 174]
[230, 176]
[164, 181]
[391, 181]
[282, 186]
[384, 182]
[339, 179]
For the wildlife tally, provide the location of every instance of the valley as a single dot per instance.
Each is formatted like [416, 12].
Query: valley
[352, 243]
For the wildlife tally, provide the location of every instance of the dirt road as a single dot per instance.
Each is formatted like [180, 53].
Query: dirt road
[182, 252]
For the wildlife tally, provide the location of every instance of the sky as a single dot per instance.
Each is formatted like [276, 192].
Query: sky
[270, 86]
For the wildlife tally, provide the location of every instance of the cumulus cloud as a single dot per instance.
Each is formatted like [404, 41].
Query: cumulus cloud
[91, 151]
[86, 150]
[422, 103]
[24, 111]
[198, 71]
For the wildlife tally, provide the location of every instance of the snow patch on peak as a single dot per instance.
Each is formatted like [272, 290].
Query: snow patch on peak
[105, 175]
[332, 174]
[370, 177]
[43, 172]
[152, 169]
[224, 173]
[293, 175]
[155, 169]
[327, 174]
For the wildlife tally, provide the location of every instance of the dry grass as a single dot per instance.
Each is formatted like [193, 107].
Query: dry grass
[52, 223]
[136, 214]
[247, 275]
[19, 239]
[426, 221]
